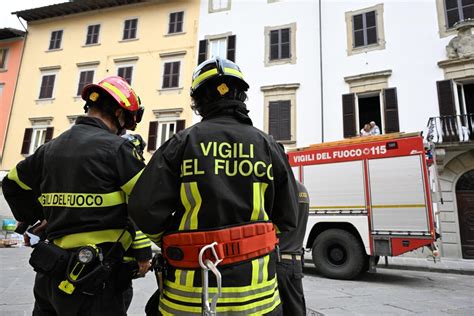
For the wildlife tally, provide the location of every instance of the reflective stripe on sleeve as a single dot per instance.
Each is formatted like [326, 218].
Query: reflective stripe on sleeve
[62, 199]
[13, 175]
[128, 187]
[191, 199]
[94, 238]
[258, 213]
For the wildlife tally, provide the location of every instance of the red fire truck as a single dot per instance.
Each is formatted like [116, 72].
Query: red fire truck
[370, 197]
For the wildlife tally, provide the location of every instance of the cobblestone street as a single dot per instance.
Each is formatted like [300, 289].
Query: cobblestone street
[387, 292]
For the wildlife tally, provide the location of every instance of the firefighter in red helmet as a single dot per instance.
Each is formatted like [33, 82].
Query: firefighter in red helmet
[221, 184]
[79, 183]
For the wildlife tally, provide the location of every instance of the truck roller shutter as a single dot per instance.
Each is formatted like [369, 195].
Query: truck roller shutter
[348, 115]
[25, 148]
[152, 134]
[202, 51]
[231, 48]
[49, 134]
[391, 110]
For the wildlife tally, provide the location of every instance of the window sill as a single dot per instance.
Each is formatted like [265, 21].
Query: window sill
[45, 100]
[3, 69]
[77, 98]
[53, 50]
[366, 49]
[174, 34]
[275, 62]
[170, 90]
[91, 45]
[218, 10]
[129, 40]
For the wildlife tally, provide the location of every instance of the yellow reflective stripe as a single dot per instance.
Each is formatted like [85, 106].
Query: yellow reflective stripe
[128, 187]
[258, 213]
[177, 275]
[191, 200]
[141, 244]
[170, 308]
[128, 259]
[190, 278]
[203, 76]
[139, 234]
[82, 199]
[255, 271]
[93, 238]
[13, 175]
[234, 72]
[266, 259]
[118, 93]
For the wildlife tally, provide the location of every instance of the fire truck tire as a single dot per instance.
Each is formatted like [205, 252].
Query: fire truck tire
[338, 254]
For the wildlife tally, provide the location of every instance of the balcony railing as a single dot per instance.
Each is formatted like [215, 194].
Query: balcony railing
[451, 129]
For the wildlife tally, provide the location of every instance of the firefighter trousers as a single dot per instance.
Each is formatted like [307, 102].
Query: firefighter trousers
[50, 301]
[290, 285]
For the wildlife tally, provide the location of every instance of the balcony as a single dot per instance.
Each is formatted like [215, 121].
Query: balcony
[451, 130]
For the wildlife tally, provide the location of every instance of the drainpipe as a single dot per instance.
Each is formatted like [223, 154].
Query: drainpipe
[321, 71]
[14, 90]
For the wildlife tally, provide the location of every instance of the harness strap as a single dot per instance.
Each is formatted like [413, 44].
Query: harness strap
[234, 244]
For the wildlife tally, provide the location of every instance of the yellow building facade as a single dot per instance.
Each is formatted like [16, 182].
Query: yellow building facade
[150, 43]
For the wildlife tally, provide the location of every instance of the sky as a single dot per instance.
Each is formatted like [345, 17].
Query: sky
[7, 7]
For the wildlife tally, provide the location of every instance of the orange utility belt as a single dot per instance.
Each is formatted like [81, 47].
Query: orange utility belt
[234, 244]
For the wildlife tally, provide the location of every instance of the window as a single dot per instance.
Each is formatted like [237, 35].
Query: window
[280, 111]
[85, 77]
[130, 29]
[280, 46]
[176, 23]
[160, 131]
[92, 34]
[171, 74]
[47, 86]
[55, 42]
[365, 31]
[36, 136]
[222, 45]
[458, 10]
[3, 58]
[219, 5]
[126, 73]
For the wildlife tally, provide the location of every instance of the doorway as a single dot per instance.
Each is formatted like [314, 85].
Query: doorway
[369, 110]
[465, 202]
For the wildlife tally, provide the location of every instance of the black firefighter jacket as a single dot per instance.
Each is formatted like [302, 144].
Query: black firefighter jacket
[219, 172]
[79, 183]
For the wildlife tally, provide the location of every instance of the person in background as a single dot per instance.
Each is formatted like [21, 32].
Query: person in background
[79, 182]
[374, 129]
[365, 131]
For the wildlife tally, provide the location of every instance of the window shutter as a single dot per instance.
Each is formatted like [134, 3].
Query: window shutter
[231, 48]
[285, 120]
[49, 134]
[273, 118]
[180, 125]
[152, 134]
[391, 110]
[25, 148]
[446, 97]
[348, 115]
[202, 51]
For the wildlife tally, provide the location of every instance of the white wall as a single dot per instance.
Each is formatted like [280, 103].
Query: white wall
[247, 20]
[413, 49]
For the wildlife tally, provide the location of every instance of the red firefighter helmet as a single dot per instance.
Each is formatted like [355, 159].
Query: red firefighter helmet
[122, 92]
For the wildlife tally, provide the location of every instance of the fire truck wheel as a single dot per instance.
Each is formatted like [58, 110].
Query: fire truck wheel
[338, 254]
